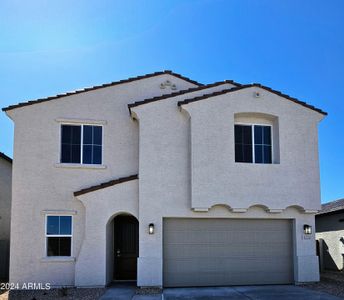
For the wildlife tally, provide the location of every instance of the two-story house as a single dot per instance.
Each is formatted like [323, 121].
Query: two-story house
[194, 185]
[5, 213]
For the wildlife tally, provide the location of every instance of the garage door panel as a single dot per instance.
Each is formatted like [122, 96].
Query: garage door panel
[193, 236]
[243, 264]
[212, 279]
[176, 251]
[227, 252]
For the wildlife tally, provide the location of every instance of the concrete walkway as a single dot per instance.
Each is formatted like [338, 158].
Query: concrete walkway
[271, 292]
[126, 292]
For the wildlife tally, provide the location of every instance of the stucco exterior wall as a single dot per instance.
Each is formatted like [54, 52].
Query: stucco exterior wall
[330, 234]
[101, 207]
[212, 152]
[5, 198]
[41, 183]
[188, 162]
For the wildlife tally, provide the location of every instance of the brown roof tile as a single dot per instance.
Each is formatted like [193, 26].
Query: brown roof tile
[22, 104]
[158, 98]
[105, 185]
[184, 102]
[332, 207]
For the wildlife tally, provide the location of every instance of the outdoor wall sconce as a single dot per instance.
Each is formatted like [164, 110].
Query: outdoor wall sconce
[307, 229]
[151, 228]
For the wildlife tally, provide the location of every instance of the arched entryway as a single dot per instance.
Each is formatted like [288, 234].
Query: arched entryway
[122, 247]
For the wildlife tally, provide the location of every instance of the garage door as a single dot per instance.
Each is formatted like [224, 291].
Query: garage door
[217, 252]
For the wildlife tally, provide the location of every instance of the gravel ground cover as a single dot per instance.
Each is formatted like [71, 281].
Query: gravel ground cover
[331, 282]
[58, 294]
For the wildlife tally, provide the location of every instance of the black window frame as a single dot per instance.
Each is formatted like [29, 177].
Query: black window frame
[95, 159]
[58, 238]
[253, 144]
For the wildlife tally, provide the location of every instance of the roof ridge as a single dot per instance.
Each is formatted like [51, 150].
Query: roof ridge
[105, 184]
[276, 92]
[181, 92]
[95, 87]
[5, 157]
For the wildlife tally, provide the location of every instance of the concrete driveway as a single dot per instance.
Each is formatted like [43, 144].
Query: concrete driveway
[271, 292]
[268, 292]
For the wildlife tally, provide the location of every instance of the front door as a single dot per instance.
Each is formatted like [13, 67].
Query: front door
[126, 247]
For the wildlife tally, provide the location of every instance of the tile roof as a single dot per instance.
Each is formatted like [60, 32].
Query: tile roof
[5, 157]
[205, 96]
[105, 185]
[99, 87]
[330, 207]
[206, 86]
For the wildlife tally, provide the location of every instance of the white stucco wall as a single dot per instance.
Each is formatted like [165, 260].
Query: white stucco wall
[40, 183]
[216, 178]
[97, 250]
[188, 162]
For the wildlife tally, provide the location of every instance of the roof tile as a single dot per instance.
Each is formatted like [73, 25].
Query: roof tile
[332, 206]
[31, 102]
[105, 185]
[205, 96]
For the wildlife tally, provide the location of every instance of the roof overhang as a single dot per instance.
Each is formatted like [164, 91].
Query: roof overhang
[278, 93]
[88, 89]
[105, 185]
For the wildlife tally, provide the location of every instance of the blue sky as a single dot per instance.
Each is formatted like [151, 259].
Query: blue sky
[48, 47]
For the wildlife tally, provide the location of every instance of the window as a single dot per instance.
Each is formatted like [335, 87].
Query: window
[253, 144]
[81, 144]
[59, 235]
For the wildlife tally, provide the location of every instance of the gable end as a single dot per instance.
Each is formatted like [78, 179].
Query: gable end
[278, 93]
[84, 90]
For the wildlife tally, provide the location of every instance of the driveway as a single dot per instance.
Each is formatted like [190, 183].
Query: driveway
[268, 292]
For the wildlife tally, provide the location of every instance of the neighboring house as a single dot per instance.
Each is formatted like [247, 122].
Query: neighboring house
[5, 213]
[194, 185]
[329, 224]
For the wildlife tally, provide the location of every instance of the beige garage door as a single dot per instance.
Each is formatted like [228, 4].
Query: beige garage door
[218, 252]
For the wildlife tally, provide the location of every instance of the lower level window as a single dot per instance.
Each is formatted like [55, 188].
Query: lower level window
[59, 235]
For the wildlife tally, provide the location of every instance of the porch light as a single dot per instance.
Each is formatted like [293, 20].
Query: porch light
[307, 229]
[151, 228]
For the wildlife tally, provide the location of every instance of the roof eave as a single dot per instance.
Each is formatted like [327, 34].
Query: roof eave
[105, 185]
[278, 93]
[5, 157]
[84, 90]
[181, 92]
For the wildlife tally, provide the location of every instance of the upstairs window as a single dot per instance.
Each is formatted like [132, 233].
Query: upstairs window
[253, 144]
[59, 235]
[81, 144]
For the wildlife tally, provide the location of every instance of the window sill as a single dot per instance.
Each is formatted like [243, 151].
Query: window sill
[257, 164]
[57, 259]
[79, 166]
